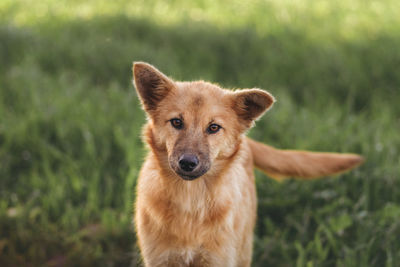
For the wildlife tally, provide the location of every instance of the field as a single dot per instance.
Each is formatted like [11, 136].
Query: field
[70, 121]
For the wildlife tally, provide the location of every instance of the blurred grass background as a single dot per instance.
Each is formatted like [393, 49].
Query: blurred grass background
[70, 121]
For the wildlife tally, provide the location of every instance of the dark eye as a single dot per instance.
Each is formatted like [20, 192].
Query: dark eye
[176, 123]
[213, 128]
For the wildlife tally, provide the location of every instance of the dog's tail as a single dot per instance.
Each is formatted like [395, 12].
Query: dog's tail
[280, 164]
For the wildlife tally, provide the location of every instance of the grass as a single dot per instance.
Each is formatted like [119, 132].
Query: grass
[70, 147]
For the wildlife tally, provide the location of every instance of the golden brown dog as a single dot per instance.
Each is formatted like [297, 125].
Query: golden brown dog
[196, 197]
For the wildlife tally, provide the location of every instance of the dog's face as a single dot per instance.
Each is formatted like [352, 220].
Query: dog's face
[197, 124]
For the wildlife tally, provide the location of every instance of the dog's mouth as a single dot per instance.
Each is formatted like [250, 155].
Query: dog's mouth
[190, 176]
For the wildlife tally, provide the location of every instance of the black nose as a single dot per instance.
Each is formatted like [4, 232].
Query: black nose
[188, 162]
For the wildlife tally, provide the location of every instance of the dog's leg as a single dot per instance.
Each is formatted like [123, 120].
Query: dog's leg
[177, 259]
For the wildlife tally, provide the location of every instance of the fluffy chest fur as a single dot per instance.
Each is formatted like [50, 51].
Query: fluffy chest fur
[186, 221]
[189, 212]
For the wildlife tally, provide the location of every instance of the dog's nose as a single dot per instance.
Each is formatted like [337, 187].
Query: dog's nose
[188, 162]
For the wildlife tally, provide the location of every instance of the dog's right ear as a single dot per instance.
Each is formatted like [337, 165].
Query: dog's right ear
[151, 85]
[250, 104]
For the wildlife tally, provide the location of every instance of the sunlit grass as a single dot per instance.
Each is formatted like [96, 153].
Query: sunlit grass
[323, 19]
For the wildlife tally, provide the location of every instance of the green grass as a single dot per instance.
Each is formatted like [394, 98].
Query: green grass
[70, 121]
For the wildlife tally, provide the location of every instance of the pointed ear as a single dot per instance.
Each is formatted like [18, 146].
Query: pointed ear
[250, 104]
[151, 85]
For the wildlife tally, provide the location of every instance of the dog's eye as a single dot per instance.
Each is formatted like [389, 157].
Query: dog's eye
[177, 123]
[213, 128]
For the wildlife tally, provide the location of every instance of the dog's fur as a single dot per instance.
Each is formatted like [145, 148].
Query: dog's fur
[206, 217]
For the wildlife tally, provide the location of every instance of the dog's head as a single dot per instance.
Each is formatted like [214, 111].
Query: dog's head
[197, 124]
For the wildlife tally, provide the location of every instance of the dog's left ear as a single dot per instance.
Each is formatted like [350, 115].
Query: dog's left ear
[250, 104]
[151, 84]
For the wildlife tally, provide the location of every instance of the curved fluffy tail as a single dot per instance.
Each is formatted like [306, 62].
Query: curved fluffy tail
[302, 164]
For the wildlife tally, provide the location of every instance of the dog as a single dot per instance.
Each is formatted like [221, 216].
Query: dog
[196, 197]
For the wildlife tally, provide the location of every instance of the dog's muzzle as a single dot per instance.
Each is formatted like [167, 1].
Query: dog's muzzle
[189, 166]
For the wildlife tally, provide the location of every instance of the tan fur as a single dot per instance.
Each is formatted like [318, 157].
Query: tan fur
[207, 221]
[302, 164]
